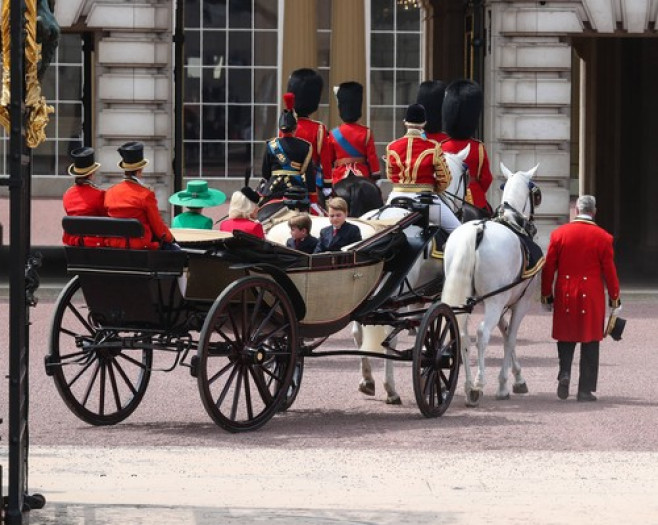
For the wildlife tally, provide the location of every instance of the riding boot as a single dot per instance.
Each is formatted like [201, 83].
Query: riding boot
[565, 351]
[589, 367]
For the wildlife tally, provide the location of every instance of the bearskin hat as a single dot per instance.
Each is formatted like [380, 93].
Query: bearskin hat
[462, 107]
[350, 100]
[287, 119]
[306, 84]
[430, 96]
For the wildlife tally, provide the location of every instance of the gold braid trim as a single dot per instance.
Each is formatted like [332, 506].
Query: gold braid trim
[4, 96]
[39, 110]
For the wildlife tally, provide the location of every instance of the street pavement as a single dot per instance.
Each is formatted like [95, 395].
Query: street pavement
[340, 457]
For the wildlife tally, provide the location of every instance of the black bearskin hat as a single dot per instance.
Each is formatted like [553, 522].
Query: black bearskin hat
[350, 100]
[430, 96]
[462, 107]
[306, 84]
[288, 120]
[415, 115]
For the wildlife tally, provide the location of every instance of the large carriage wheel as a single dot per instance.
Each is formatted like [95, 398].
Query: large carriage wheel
[436, 360]
[247, 354]
[99, 380]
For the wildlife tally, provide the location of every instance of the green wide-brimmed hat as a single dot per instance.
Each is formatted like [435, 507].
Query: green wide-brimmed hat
[198, 195]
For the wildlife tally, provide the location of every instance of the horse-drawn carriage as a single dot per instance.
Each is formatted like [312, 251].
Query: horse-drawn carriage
[242, 314]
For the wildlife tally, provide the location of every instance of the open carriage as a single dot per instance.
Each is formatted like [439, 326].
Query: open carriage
[243, 314]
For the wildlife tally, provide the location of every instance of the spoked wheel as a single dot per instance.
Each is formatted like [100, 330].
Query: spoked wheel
[99, 380]
[436, 360]
[295, 384]
[247, 354]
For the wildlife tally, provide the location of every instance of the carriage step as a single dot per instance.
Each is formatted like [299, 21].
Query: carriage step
[194, 365]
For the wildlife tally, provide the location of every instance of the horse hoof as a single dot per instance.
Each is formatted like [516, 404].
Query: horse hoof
[393, 400]
[367, 388]
[473, 398]
[521, 388]
[505, 397]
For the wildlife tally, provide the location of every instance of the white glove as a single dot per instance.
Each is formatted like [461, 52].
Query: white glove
[327, 192]
[548, 307]
[616, 311]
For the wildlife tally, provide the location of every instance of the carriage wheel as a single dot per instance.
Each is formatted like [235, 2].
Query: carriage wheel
[247, 354]
[436, 360]
[101, 383]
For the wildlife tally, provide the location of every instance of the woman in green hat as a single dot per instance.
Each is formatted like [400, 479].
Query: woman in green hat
[196, 196]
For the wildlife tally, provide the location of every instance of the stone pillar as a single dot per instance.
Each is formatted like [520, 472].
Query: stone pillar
[348, 51]
[134, 76]
[527, 111]
[300, 46]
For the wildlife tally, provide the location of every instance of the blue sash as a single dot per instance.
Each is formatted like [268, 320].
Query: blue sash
[342, 141]
[275, 148]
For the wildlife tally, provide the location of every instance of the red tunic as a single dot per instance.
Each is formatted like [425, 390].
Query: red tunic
[478, 167]
[363, 159]
[245, 225]
[84, 200]
[316, 133]
[413, 160]
[130, 200]
[439, 136]
[582, 255]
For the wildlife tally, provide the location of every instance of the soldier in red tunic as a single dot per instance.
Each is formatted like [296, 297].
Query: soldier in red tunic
[130, 199]
[415, 164]
[352, 144]
[430, 96]
[84, 197]
[462, 107]
[306, 84]
[581, 254]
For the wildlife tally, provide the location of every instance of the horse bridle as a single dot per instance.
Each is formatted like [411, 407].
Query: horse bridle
[463, 179]
[535, 201]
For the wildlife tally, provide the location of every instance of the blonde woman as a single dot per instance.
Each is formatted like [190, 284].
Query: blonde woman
[242, 213]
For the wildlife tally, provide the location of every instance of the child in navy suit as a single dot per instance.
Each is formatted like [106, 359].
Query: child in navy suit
[300, 231]
[340, 233]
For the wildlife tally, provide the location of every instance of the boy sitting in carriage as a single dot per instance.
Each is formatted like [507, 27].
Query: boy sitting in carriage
[340, 233]
[300, 231]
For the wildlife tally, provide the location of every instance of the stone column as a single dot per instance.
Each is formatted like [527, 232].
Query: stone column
[300, 46]
[134, 76]
[348, 50]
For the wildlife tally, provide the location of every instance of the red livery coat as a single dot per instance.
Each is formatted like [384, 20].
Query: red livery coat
[245, 225]
[316, 133]
[129, 199]
[581, 254]
[413, 160]
[361, 139]
[478, 167]
[84, 200]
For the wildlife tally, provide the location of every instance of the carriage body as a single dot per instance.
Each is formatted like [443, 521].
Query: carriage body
[238, 313]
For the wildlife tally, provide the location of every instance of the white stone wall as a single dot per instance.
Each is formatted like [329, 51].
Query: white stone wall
[528, 87]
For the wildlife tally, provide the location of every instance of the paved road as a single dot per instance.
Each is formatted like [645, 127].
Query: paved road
[338, 456]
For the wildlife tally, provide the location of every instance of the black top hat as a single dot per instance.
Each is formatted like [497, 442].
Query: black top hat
[132, 155]
[251, 194]
[462, 107]
[350, 100]
[415, 115]
[430, 95]
[83, 162]
[306, 84]
[615, 327]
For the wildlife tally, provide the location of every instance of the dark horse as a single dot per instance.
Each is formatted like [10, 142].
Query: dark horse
[361, 194]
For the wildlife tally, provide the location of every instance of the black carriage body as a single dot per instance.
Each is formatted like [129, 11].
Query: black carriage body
[130, 288]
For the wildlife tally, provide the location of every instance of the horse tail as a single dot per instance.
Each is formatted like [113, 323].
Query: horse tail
[459, 260]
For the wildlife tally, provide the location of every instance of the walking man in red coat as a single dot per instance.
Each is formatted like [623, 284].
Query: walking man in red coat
[581, 254]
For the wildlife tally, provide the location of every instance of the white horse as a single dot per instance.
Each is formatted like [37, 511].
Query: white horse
[494, 266]
[426, 270]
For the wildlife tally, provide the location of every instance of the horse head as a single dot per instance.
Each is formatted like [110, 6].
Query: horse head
[520, 195]
[360, 193]
[455, 193]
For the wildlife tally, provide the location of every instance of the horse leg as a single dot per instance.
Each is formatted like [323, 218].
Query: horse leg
[491, 317]
[471, 401]
[392, 397]
[520, 386]
[367, 383]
